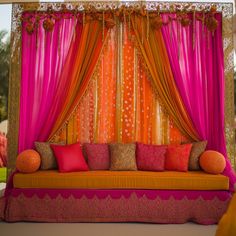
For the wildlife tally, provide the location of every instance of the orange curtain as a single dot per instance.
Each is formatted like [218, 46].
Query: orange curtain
[119, 104]
[79, 68]
[154, 53]
[126, 108]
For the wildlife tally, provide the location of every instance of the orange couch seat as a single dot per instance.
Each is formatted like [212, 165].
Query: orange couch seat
[192, 180]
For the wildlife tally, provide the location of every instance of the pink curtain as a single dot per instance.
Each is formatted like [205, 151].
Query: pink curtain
[3, 149]
[43, 57]
[197, 61]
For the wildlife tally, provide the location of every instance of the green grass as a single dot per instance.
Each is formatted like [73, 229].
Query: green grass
[3, 174]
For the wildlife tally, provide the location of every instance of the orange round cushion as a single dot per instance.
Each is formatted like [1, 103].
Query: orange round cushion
[212, 162]
[28, 161]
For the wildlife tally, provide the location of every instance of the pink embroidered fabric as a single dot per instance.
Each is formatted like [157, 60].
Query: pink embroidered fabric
[116, 194]
[98, 156]
[156, 206]
[150, 157]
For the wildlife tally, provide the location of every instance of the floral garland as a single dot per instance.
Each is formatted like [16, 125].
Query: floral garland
[109, 17]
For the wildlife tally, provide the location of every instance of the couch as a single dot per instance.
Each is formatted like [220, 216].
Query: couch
[116, 196]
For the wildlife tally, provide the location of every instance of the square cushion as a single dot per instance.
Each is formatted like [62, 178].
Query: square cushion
[150, 157]
[69, 157]
[48, 160]
[177, 157]
[197, 149]
[122, 156]
[97, 156]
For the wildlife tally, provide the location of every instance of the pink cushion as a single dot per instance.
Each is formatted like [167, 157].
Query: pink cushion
[69, 157]
[98, 156]
[177, 157]
[150, 157]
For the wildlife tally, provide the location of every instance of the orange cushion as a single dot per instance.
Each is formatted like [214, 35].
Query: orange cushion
[192, 180]
[212, 162]
[28, 161]
[177, 157]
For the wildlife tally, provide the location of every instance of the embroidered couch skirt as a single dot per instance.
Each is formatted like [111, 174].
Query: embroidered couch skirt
[153, 206]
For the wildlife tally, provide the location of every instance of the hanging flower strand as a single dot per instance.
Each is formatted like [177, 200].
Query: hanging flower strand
[48, 24]
[211, 22]
[153, 18]
[156, 21]
[30, 27]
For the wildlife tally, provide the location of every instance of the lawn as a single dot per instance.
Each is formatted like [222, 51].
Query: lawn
[3, 174]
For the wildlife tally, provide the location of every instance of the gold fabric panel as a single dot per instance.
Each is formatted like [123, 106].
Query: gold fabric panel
[229, 88]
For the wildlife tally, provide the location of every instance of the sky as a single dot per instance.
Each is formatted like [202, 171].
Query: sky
[5, 13]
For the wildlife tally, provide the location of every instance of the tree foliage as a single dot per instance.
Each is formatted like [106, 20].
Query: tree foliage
[4, 73]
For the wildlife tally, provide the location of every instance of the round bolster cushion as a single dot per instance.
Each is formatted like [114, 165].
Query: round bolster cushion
[212, 162]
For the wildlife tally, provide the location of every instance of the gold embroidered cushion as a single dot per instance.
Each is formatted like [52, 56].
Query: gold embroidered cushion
[48, 160]
[122, 156]
[197, 149]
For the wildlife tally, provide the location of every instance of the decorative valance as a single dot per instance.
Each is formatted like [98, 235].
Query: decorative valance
[186, 14]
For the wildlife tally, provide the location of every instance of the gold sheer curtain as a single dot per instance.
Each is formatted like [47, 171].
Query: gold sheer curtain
[120, 104]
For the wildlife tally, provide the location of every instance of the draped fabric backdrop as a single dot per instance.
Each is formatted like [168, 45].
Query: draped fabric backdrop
[120, 104]
[156, 58]
[56, 68]
[104, 81]
[197, 61]
[78, 70]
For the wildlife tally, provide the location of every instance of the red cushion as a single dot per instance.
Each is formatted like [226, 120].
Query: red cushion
[177, 157]
[150, 157]
[69, 157]
[98, 156]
